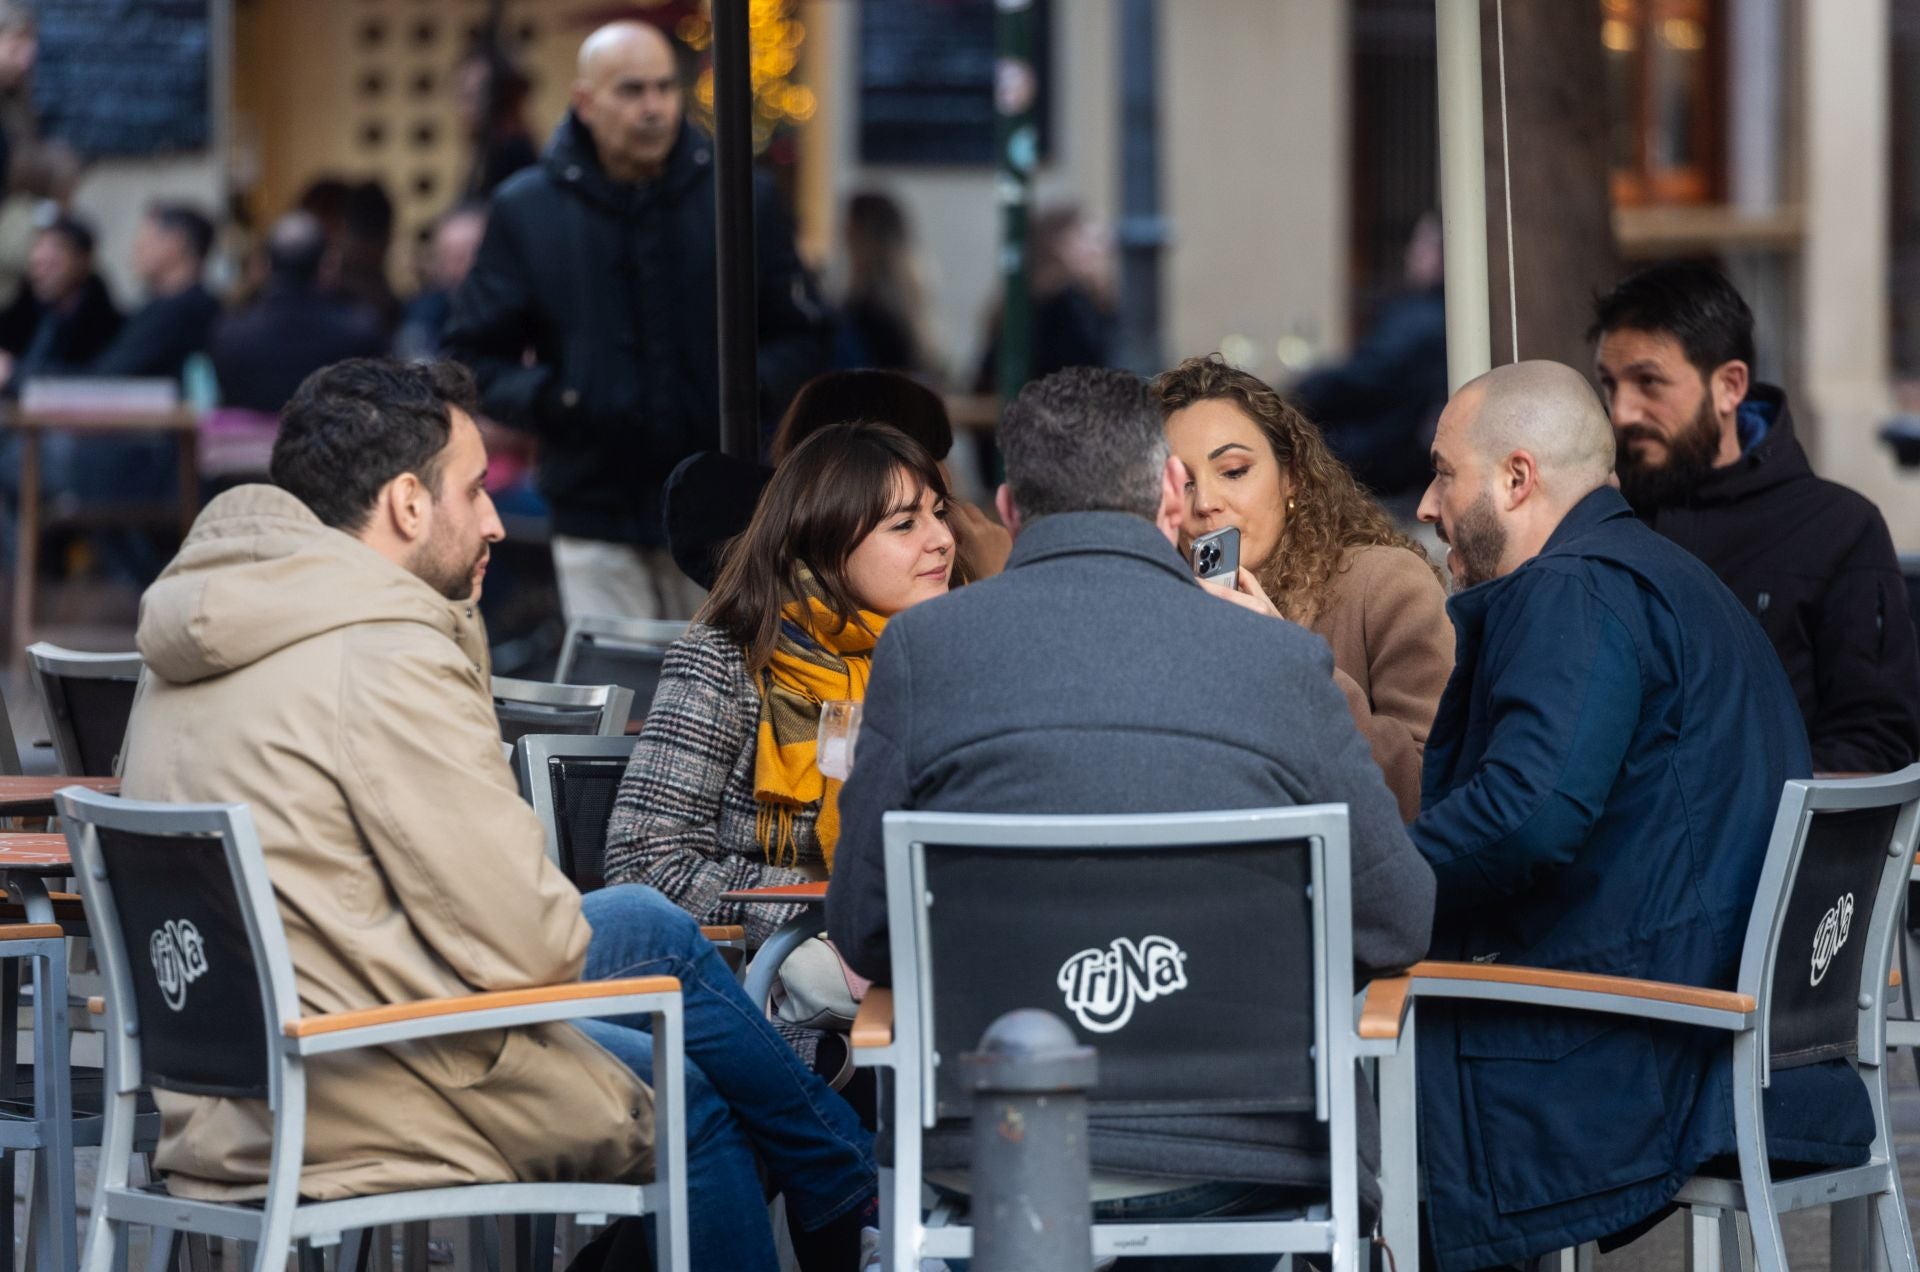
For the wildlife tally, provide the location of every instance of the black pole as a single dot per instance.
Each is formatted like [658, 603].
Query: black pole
[1143, 231]
[733, 218]
[1017, 143]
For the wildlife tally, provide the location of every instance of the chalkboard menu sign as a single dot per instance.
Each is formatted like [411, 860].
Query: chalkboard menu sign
[926, 80]
[123, 77]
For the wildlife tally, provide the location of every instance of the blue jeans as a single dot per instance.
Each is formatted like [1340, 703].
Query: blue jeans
[749, 1097]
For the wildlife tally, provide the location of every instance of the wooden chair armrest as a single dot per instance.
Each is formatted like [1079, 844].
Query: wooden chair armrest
[428, 1008]
[1430, 978]
[30, 931]
[1385, 1010]
[725, 933]
[873, 1023]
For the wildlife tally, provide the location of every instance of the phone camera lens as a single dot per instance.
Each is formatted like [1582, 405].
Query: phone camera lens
[1209, 558]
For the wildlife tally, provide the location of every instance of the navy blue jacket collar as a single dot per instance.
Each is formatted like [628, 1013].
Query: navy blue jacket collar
[1601, 506]
[1109, 533]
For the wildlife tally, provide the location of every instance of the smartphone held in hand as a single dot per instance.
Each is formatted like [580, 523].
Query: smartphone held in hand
[1216, 556]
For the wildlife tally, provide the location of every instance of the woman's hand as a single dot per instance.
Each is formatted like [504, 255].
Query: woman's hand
[1246, 593]
[984, 543]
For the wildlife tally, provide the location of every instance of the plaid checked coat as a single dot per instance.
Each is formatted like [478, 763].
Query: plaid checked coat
[683, 822]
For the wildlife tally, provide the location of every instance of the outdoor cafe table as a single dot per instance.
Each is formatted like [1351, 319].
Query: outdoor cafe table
[181, 423]
[804, 926]
[27, 861]
[33, 796]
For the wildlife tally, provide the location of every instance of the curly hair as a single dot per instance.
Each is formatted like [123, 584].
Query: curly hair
[1329, 512]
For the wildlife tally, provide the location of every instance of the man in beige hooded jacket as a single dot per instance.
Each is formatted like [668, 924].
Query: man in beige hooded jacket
[314, 652]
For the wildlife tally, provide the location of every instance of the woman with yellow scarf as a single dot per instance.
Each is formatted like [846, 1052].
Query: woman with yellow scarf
[724, 791]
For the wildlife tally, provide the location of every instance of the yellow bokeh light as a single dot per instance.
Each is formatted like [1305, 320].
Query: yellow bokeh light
[1684, 34]
[1618, 35]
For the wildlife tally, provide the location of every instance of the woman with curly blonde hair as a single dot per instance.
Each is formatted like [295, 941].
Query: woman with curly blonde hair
[1317, 550]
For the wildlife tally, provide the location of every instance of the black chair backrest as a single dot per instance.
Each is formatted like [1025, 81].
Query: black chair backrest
[597, 661]
[1191, 968]
[518, 719]
[196, 984]
[583, 789]
[9, 747]
[100, 710]
[1815, 1008]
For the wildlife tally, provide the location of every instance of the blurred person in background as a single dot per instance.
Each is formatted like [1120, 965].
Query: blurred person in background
[1072, 285]
[262, 351]
[1377, 407]
[492, 101]
[883, 314]
[451, 249]
[41, 181]
[600, 261]
[77, 318]
[1316, 550]
[170, 256]
[19, 49]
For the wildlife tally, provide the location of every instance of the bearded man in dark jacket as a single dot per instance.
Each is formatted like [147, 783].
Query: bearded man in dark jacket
[589, 319]
[1708, 458]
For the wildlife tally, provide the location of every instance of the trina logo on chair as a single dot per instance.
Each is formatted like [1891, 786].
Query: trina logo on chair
[179, 959]
[1103, 986]
[1830, 936]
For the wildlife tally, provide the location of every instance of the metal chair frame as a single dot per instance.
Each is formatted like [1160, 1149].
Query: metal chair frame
[611, 701]
[1716, 1205]
[48, 1132]
[273, 1225]
[624, 633]
[51, 664]
[907, 1237]
[9, 747]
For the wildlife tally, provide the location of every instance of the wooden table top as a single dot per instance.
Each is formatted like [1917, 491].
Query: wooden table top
[116, 420]
[33, 796]
[35, 854]
[786, 894]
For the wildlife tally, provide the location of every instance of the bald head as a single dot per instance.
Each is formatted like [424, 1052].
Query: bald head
[1514, 451]
[627, 94]
[1546, 409]
[619, 44]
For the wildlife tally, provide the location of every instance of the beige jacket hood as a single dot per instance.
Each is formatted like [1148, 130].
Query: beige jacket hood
[295, 670]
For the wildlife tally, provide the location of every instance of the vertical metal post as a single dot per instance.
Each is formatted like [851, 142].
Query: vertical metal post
[1143, 231]
[1031, 1203]
[1463, 189]
[733, 219]
[1015, 85]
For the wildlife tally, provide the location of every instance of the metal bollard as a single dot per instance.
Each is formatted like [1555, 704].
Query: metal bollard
[1031, 1211]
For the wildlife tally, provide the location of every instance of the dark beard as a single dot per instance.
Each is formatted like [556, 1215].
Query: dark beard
[1481, 541]
[1690, 456]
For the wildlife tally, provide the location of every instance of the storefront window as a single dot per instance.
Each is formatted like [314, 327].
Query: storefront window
[1663, 75]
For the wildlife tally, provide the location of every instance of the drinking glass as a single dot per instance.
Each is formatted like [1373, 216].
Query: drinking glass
[839, 730]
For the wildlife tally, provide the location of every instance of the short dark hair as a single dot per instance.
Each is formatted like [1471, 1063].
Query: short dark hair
[77, 233]
[1693, 303]
[178, 218]
[356, 425]
[878, 397]
[1084, 440]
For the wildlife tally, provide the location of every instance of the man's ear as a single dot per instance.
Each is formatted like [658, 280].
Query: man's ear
[1173, 499]
[1008, 510]
[1519, 479]
[408, 504]
[1729, 384]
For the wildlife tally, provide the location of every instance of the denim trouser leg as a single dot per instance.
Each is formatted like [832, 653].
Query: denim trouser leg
[809, 1138]
[726, 1211]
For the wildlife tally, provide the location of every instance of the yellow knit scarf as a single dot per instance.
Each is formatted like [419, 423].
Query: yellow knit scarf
[814, 660]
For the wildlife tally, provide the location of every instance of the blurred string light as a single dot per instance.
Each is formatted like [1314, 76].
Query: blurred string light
[774, 36]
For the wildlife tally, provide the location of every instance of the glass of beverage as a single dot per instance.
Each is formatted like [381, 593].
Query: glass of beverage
[839, 730]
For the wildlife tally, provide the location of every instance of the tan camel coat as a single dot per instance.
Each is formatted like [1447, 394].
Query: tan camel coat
[296, 670]
[1386, 618]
